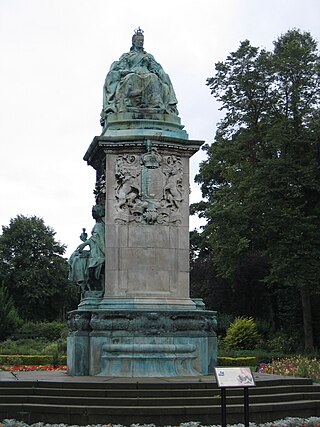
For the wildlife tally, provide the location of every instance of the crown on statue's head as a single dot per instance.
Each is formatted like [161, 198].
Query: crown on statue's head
[138, 32]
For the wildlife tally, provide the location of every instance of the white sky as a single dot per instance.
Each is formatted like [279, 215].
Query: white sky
[55, 55]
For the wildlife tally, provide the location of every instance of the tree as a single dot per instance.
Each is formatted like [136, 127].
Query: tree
[245, 295]
[9, 318]
[204, 280]
[260, 182]
[34, 270]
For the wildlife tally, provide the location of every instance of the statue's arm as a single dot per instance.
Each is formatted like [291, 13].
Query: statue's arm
[83, 245]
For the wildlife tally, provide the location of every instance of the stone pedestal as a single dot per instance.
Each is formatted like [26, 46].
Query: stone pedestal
[135, 343]
[145, 323]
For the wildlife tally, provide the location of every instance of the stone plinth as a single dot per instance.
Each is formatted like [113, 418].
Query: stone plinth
[144, 324]
[133, 343]
[147, 221]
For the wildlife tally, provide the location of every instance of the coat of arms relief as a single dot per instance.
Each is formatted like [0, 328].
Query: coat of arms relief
[149, 188]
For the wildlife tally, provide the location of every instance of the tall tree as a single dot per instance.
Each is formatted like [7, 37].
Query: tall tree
[9, 318]
[34, 270]
[260, 182]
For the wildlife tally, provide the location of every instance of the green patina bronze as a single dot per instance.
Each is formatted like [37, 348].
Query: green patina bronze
[137, 83]
[86, 267]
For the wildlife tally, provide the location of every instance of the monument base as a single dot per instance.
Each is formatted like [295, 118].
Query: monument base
[141, 343]
[144, 122]
[139, 303]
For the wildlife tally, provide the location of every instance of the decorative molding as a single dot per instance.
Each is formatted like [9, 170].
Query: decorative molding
[79, 321]
[102, 145]
[144, 323]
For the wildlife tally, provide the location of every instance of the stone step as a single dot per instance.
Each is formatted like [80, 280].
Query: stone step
[159, 415]
[38, 390]
[151, 383]
[155, 400]
[150, 401]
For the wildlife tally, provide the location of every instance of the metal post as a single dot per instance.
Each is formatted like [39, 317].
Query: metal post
[246, 406]
[223, 407]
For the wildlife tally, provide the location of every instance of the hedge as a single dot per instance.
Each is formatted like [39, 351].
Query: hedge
[18, 359]
[237, 361]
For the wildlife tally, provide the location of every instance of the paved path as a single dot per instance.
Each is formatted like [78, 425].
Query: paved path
[62, 376]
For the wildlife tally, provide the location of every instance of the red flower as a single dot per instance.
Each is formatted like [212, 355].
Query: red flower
[33, 368]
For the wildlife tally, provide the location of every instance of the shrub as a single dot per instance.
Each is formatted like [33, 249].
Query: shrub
[33, 347]
[59, 346]
[50, 331]
[242, 334]
[286, 342]
[23, 346]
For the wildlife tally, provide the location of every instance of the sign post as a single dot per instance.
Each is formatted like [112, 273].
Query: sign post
[234, 377]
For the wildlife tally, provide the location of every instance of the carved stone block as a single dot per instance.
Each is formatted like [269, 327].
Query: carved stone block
[145, 343]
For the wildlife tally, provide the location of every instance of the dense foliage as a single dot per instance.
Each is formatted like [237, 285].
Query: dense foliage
[49, 331]
[261, 180]
[34, 271]
[242, 334]
[9, 318]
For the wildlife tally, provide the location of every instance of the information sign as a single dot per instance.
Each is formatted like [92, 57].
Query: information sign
[234, 377]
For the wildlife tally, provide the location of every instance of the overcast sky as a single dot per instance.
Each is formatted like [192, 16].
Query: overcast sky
[55, 55]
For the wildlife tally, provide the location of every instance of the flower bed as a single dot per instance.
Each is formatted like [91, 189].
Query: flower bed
[287, 422]
[297, 366]
[21, 368]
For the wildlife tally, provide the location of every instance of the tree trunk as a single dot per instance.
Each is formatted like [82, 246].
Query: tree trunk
[307, 319]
